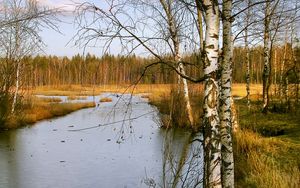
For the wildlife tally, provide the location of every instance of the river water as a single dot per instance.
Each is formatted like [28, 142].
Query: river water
[116, 144]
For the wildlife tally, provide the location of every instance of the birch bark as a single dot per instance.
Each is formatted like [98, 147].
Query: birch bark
[225, 100]
[211, 121]
[17, 61]
[172, 27]
[267, 69]
[247, 59]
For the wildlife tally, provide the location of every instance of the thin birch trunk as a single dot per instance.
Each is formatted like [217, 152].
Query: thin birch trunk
[234, 116]
[17, 87]
[286, 92]
[275, 71]
[247, 58]
[282, 71]
[175, 39]
[247, 68]
[17, 61]
[186, 95]
[200, 29]
[211, 121]
[267, 66]
[226, 100]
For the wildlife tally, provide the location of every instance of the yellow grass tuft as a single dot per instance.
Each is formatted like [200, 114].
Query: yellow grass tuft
[50, 100]
[257, 164]
[36, 109]
[72, 97]
[105, 99]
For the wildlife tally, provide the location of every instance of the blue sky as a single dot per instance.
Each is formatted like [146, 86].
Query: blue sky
[60, 44]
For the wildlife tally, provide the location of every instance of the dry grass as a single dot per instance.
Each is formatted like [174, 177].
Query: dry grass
[267, 161]
[171, 106]
[50, 100]
[105, 99]
[36, 109]
[259, 161]
[72, 97]
[258, 164]
[145, 96]
[77, 90]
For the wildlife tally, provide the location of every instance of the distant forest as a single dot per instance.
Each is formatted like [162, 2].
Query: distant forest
[117, 69]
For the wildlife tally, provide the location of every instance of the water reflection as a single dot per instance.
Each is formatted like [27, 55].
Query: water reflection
[182, 159]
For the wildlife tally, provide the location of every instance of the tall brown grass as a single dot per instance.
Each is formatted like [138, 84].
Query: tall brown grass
[105, 99]
[171, 106]
[238, 89]
[73, 97]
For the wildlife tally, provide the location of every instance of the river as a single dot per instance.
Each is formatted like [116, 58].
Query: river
[115, 144]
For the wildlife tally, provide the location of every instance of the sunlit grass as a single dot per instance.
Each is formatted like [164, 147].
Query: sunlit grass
[36, 109]
[78, 90]
[105, 99]
[50, 100]
[72, 97]
[271, 160]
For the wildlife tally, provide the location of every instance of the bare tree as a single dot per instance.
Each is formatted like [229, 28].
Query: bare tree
[160, 28]
[20, 24]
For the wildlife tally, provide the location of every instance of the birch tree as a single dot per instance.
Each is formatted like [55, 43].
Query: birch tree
[211, 121]
[225, 98]
[174, 31]
[168, 25]
[20, 24]
[247, 56]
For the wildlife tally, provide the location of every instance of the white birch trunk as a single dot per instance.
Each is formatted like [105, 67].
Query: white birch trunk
[234, 116]
[266, 71]
[226, 100]
[186, 95]
[247, 59]
[212, 145]
[17, 88]
[175, 39]
[282, 71]
[17, 61]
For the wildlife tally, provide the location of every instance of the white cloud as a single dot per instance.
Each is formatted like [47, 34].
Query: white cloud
[66, 5]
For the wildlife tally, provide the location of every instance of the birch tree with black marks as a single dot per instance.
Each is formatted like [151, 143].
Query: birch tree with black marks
[211, 121]
[225, 98]
[174, 31]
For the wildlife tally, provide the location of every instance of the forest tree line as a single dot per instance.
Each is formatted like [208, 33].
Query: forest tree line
[117, 69]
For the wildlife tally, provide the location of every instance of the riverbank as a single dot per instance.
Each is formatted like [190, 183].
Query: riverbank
[35, 109]
[266, 146]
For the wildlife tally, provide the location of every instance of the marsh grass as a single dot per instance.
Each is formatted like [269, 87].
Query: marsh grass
[35, 109]
[171, 106]
[78, 90]
[266, 148]
[105, 99]
[50, 100]
[73, 97]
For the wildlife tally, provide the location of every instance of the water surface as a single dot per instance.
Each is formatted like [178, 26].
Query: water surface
[126, 149]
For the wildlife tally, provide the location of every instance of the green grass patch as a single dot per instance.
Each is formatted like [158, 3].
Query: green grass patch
[267, 148]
